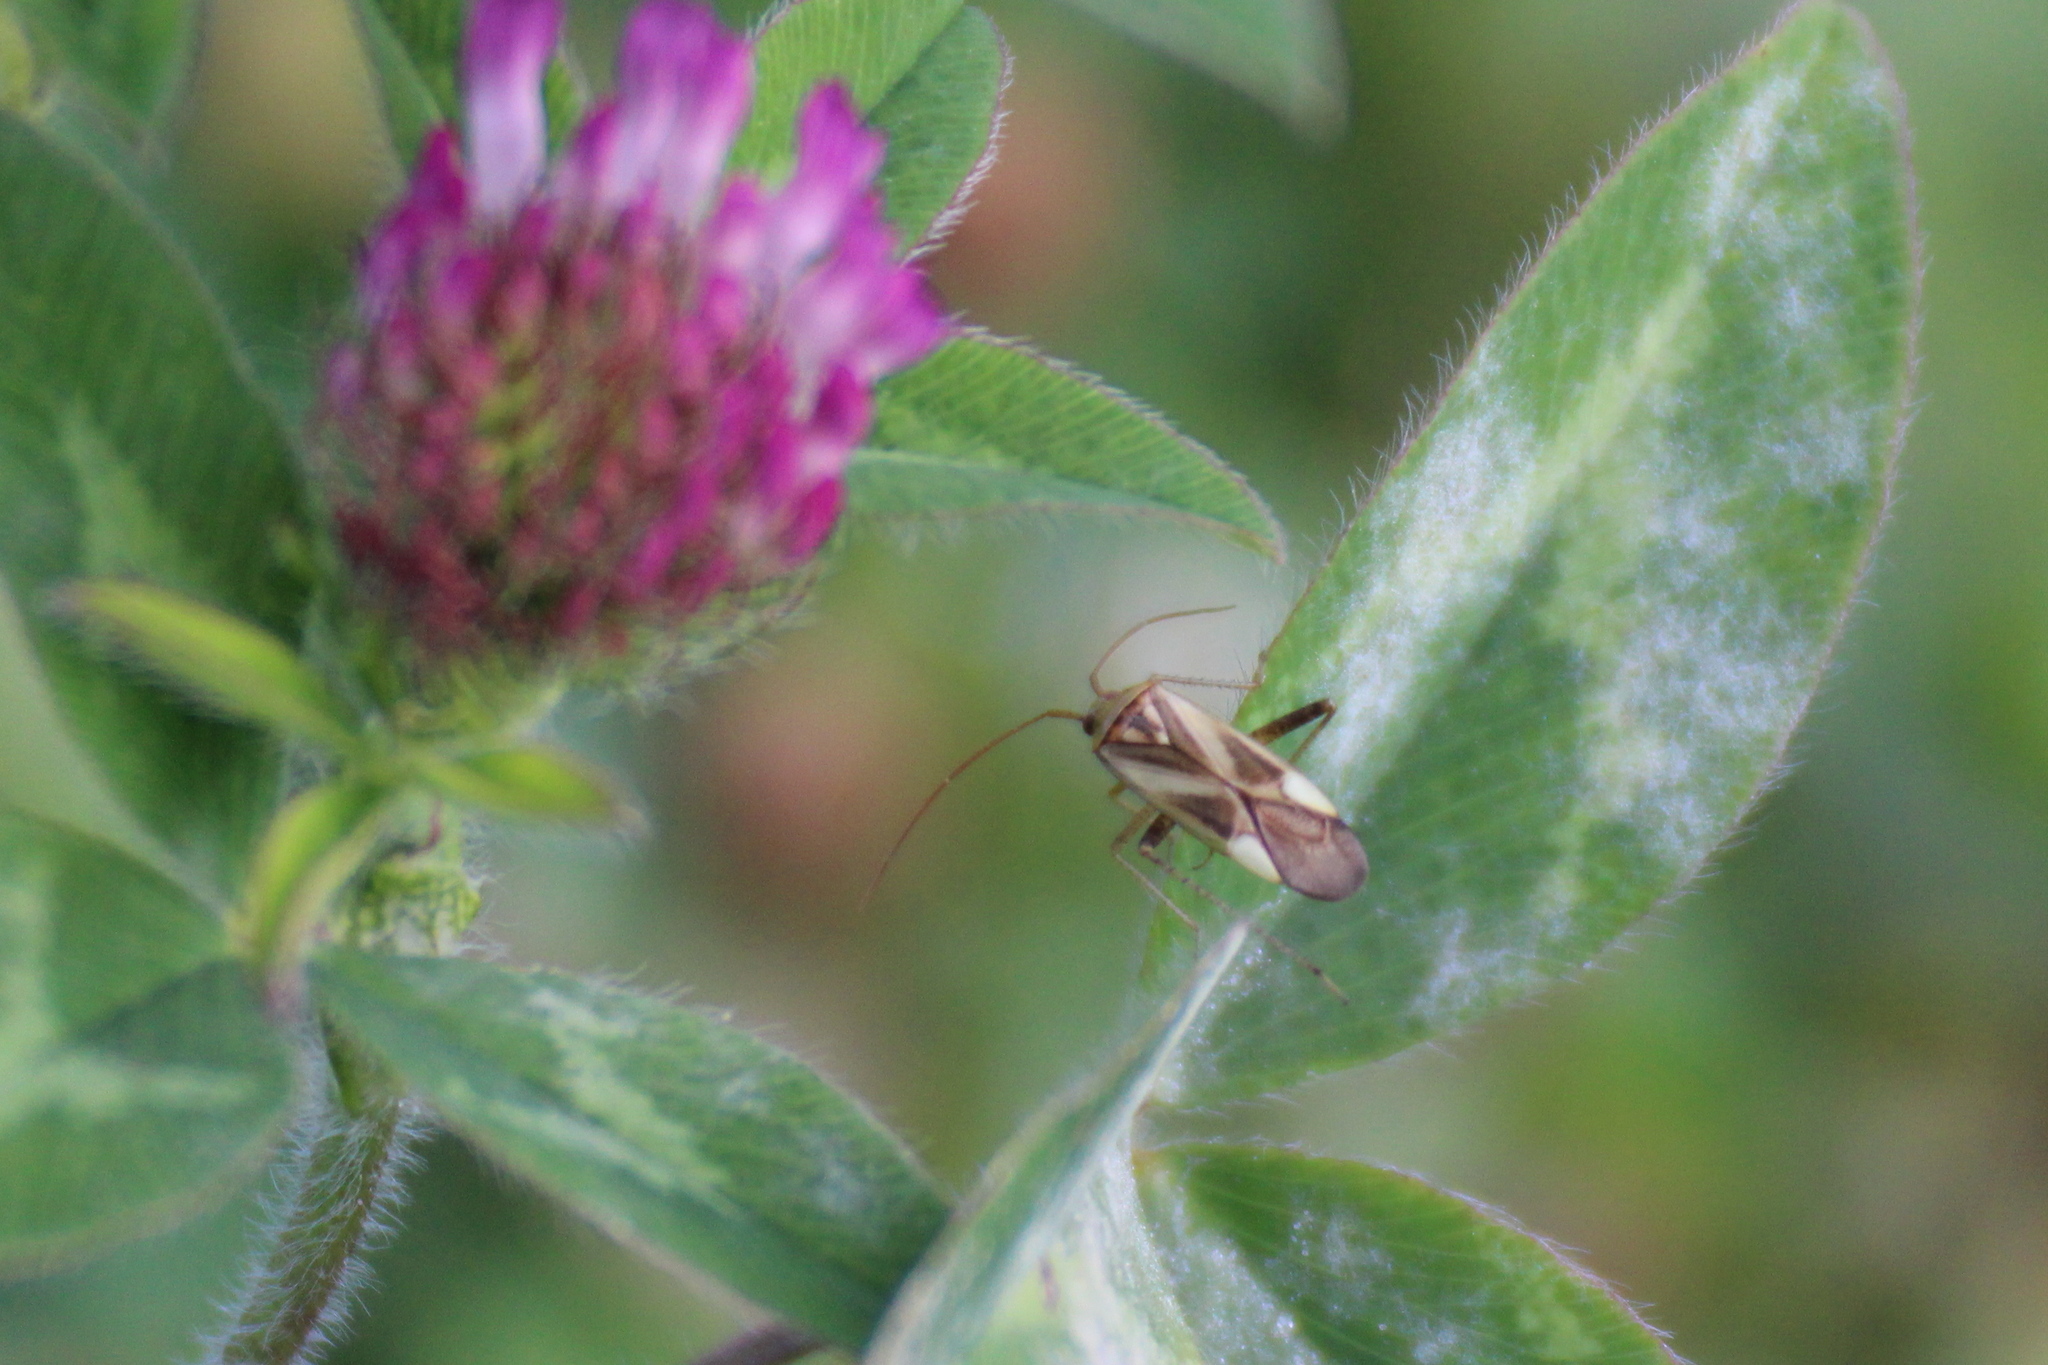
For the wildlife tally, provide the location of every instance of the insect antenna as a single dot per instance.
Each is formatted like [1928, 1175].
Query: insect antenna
[1095, 674]
[945, 782]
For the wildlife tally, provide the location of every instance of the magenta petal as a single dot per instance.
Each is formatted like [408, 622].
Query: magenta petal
[434, 206]
[817, 512]
[836, 156]
[684, 88]
[505, 56]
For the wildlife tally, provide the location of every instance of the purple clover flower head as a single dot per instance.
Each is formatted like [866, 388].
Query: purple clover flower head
[588, 396]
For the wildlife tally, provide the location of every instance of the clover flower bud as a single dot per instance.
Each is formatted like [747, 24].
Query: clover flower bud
[584, 398]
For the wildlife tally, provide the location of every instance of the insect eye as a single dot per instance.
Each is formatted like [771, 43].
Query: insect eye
[1088, 724]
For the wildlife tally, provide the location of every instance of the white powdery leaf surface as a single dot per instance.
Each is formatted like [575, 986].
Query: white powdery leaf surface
[1570, 635]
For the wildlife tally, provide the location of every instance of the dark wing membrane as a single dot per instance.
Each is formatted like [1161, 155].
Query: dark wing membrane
[1316, 854]
[1234, 757]
[1180, 786]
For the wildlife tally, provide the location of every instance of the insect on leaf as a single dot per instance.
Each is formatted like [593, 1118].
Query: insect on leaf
[1570, 635]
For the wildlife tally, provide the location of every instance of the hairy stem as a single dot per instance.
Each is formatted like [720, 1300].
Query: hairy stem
[335, 1189]
[771, 1344]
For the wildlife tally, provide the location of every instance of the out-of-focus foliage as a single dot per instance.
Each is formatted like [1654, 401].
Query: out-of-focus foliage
[1800, 1118]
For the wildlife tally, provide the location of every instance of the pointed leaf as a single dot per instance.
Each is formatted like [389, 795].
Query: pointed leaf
[137, 1073]
[663, 1125]
[1277, 1256]
[983, 426]
[1568, 639]
[1021, 1271]
[1079, 1246]
[1288, 54]
[314, 845]
[538, 781]
[940, 118]
[131, 444]
[242, 669]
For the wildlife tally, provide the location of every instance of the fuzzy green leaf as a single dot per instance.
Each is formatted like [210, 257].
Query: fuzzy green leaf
[224, 661]
[983, 427]
[137, 1073]
[536, 781]
[870, 45]
[1276, 1256]
[1081, 1246]
[665, 1126]
[1568, 639]
[132, 444]
[997, 1286]
[1288, 54]
[134, 56]
[940, 118]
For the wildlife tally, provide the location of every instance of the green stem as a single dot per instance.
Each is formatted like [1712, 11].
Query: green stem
[337, 1187]
[336, 1192]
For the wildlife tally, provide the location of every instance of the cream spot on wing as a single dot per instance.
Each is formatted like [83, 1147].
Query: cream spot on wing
[1306, 794]
[1249, 852]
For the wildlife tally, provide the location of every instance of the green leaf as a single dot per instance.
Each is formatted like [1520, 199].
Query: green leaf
[18, 75]
[871, 45]
[243, 670]
[1288, 54]
[132, 444]
[999, 1285]
[1277, 1256]
[415, 54]
[133, 55]
[1081, 1246]
[413, 101]
[982, 426]
[1569, 638]
[137, 1073]
[666, 1127]
[538, 781]
[940, 119]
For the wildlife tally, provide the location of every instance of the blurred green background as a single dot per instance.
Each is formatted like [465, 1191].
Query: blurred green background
[1800, 1116]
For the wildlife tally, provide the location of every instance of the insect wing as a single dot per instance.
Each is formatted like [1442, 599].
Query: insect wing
[1180, 786]
[1315, 854]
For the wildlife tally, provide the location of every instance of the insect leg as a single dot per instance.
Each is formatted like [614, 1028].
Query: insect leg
[1149, 846]
[1317, 711]
[1157, 827]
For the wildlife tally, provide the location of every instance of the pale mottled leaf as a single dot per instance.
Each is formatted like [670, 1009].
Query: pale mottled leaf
[1569, 637]
[1028, 1269]
[1082, 1246]
[1276, 1256]
[665, 1126]
[138, 1074]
